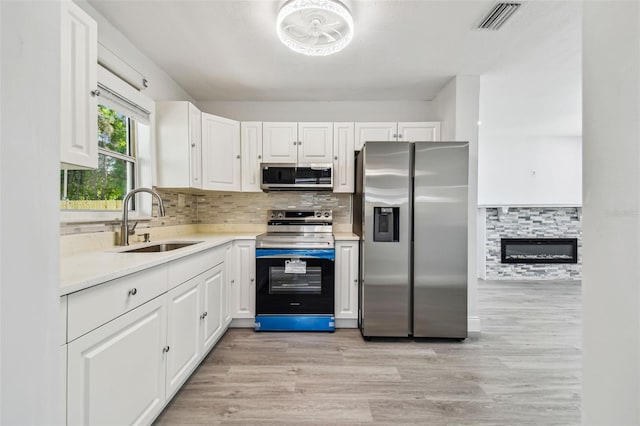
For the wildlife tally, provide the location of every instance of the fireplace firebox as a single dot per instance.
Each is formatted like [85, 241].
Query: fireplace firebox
[539, 250]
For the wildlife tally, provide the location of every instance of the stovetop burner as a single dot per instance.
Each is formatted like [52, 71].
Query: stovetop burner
[298, 229]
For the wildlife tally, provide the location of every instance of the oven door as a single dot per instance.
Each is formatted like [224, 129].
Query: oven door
[294, 281]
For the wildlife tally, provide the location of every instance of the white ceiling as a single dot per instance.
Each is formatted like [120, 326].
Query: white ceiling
[402, 50]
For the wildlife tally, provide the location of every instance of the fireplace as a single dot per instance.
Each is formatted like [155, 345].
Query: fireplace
[539, 250]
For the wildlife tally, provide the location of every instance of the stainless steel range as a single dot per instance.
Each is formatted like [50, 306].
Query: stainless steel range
[295, 272]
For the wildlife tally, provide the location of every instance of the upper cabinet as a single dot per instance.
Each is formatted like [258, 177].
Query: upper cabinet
[424, 131]
[221, 153]
[251, 149]
[79, 89]
[297, 142]
[343, 161]
[179, 145]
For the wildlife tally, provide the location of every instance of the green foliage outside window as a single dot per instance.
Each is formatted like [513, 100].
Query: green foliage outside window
[106, 186]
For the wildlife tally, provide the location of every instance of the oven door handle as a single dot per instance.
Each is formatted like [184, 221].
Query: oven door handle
[328, 254]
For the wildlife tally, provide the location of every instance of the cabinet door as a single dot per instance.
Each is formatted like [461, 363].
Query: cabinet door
[117, 372]
[315, 143]
[343, 157]
[243, 287]
[280, 142]
[183, 333]
[220, 153]
[251, 152]
[229, 277]
[374, 132]
[195, 147]
[427, 131]
[346, 277]
[179, 145]
[79, 114]
[212, 314]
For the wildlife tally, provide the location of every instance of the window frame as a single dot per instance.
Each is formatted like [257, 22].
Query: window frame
[144, 169]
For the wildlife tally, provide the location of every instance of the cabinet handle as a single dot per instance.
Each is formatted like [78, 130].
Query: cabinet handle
[252, 279]
[335, 158]
[133, 292]
[355, 281]
[295, 143]
[233, 281]
[203, 315]
[95, 93]
[166, 349]
[259, 157]
[193, 144]
[299, 142]
[399, 135]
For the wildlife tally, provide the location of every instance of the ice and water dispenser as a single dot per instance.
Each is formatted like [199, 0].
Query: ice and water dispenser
[386, 224]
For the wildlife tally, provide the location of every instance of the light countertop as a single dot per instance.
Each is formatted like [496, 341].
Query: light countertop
[84, 270]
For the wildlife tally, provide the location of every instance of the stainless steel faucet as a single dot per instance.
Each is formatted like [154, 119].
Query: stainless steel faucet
[125, 231]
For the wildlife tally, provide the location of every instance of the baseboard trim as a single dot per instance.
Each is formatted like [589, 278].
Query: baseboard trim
[473, 326]
[346, 323]
[243, 323]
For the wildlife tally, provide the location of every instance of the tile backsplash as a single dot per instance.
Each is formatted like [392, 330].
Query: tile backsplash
[225, 208]
[251, 208]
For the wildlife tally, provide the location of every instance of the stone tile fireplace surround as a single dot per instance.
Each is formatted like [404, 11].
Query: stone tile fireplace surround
[530, 222]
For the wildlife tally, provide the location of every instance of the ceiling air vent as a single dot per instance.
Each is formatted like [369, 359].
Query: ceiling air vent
[497, 17]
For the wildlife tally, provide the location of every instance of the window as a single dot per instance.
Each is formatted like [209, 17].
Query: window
[105, 187]
[124, 157]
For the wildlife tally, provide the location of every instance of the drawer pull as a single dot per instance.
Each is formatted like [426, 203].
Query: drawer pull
[203, 315]
[166, 349]
[133, 291]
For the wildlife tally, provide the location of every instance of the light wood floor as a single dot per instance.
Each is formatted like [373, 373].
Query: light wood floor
[524, 369]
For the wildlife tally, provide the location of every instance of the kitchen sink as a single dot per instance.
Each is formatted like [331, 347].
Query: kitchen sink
[161, 247]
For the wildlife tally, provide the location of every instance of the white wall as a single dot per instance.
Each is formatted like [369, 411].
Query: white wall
[322, 111]
[29, 181]
[457, 106]
[445, 104]
[161, 86]
[611, 214]
[530, 109]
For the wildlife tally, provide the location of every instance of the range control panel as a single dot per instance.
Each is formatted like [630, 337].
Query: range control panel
[300, 215]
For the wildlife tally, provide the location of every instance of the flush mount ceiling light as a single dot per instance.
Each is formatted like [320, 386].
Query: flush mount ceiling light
[315, 27]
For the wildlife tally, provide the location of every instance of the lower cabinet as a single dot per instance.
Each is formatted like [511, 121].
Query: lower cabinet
[346, 280]
[183, 333]
[116, 373]
[126, 370]
[212, 307]
[242, 279]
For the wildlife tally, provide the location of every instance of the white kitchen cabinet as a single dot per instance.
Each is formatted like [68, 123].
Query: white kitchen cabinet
[315, 143]
[116, 374]
[346, 280]
[221, 165]
[213, 300]
[79, 88]
[280, 142]
[183, 333]
[427, 131]
[396, 131]
[229, 274]
[384, 131]
[343, 160]
[243, 279]
[179, 145]
[251, 153]
[300, 143]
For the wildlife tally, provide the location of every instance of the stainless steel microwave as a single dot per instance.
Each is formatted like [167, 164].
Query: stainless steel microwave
[291, 177]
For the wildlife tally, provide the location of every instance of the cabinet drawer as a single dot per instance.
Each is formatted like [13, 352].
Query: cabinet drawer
[188, 267]
[90, 308]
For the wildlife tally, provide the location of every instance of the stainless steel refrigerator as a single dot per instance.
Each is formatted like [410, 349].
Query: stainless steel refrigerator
[410, 209]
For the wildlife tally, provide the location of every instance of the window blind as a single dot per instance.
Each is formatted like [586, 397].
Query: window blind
[111, 99]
